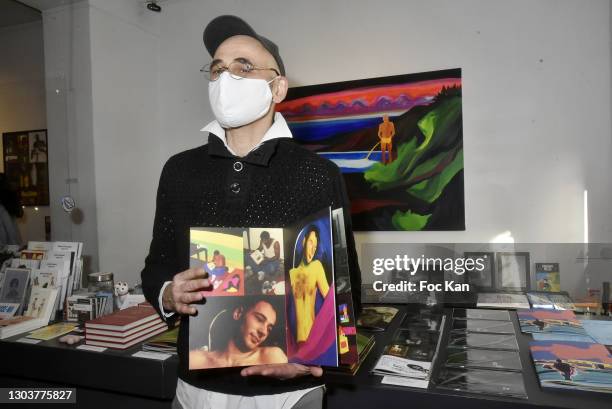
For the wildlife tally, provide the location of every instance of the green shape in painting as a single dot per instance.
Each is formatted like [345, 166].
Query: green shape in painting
[430, 189]
[409, 220]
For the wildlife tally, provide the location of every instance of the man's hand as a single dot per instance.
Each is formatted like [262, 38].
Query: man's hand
[282, 371]
[186, 288]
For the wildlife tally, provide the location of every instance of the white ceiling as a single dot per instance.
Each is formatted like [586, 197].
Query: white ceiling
[13, 13]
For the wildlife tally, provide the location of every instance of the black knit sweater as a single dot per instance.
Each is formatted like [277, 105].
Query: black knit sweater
[273, 186]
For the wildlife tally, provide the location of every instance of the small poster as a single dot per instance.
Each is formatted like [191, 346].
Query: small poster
[26, 165]
[548, 277]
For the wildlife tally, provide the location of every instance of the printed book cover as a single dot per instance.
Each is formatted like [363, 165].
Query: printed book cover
[345, 313]
[548, 277]
[376, 318]
[555, 321]
[573, 365]
[276, 307]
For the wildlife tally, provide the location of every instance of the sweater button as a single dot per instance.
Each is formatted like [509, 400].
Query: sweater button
[238, 166]
[235, 187]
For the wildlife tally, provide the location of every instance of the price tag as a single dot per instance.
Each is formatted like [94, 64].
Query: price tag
[93, 348]
[160, 356]
[29, 340]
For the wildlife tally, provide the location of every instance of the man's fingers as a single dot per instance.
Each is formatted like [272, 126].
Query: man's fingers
[197, 284]
[282, 371]
[186, 309]
[196, 272]
[316, 371]
[189, 298]
[264, 370]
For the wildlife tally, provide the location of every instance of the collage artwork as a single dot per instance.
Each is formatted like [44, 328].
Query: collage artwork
[272, 298]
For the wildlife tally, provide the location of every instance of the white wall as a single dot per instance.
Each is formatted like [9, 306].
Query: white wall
[536, 94]
[128, 156]
[69, 117]
[536, 106]
[22, 100]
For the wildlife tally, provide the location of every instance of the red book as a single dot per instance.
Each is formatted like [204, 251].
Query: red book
[127, 344]
[125, 319]
[123, 334]
[127, 338]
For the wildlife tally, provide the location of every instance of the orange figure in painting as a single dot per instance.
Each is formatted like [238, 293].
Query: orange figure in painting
[386, 132]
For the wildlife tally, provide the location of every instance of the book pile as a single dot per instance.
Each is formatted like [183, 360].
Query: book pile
[124, 328]
[88, 306]
[165, 342]
[482, 355]
[408, 360]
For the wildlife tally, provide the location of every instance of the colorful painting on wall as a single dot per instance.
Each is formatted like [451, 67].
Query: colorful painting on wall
[398, 142]
[26, 166]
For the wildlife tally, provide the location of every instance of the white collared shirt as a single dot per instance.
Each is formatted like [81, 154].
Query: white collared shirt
[279, 129]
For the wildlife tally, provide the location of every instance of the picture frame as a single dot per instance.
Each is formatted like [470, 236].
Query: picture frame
[26, 165]
[513, 271]
[15, 286]
[481, 280]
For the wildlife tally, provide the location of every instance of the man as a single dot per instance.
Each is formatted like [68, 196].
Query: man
[386, 132]
[305, 280]
[254, 323]
[13, 294]
[217, 272]
[249, 174]
[270, 250]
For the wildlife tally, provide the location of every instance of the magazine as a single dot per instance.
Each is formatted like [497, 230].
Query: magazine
[555, 321]
[273, 310]
[550, 300]
[573, 365]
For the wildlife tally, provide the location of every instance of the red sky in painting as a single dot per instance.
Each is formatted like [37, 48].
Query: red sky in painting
[565, 351]
[370, 95]
[548, 314]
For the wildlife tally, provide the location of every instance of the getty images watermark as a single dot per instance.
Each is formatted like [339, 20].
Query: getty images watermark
[404, 265]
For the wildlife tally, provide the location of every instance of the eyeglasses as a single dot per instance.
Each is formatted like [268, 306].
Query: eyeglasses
[237, 70]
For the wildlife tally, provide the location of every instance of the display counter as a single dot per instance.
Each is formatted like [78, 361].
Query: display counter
[117, 379]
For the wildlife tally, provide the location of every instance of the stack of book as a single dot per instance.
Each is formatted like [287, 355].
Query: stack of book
[124, 328]
[166, 342]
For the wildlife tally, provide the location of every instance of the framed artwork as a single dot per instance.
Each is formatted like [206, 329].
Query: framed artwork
[513, 271]
[26, 165]
[548, 277]
[398, 142]
[15, 285]
[482, 280]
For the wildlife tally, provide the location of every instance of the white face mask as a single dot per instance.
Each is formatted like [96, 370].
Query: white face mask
[239, 102]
